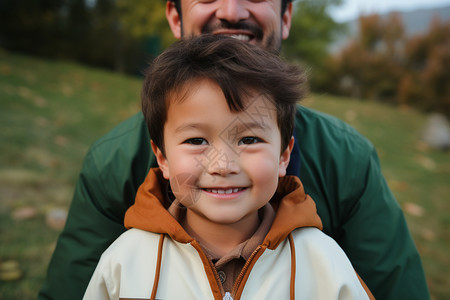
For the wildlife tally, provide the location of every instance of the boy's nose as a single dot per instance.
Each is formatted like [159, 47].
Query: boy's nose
[232, 11]
[224, 164]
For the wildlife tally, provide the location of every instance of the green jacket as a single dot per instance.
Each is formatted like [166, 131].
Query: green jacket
[338, 167]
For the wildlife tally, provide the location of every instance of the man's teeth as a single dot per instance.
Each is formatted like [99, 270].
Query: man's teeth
[224, 191]
[241, 37]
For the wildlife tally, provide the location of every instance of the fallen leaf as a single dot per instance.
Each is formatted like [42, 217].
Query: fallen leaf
[398, 185]
[413, 209]
[24, 213]
[61, 140]
[10, 270]
[40, 102]
[422, 147]
[428, 234]
[350, 115]
[5, 69]
[426, 162]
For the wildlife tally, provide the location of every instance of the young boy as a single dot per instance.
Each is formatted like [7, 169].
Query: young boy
[235, 227]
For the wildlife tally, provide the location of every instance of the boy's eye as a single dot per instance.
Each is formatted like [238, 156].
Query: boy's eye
[195, 141]
[248, 140]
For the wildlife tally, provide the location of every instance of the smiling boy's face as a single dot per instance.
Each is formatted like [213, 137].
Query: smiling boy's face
[222, 165]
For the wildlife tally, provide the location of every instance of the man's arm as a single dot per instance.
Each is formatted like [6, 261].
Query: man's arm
[341, 171]
[375, 236]
[112, 171]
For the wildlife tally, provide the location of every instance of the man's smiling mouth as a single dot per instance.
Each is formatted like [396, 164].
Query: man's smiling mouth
[243, 31]
[241, 37]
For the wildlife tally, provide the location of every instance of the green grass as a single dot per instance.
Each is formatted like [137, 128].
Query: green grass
[52, 111]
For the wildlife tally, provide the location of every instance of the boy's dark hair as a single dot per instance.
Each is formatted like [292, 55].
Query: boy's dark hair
[237, 67]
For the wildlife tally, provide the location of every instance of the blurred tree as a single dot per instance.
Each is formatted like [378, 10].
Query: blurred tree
[78, 30]
[116, 34]
[372, 64]
[106, 34]
[143, 31]
[312, 30]
[426, 82]
[143, 19]
[382, 64]
[29, 25]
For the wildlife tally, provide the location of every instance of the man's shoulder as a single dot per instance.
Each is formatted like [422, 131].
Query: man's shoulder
[315, 122]
[124, 149]
[314, 128]
[133, 128]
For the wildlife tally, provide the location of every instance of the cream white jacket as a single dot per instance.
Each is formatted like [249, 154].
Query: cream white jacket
[157, 259]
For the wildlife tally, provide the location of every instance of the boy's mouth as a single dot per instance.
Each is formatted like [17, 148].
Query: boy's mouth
[224, 190]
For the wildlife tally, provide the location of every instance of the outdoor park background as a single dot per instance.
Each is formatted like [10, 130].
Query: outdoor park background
[69, 72]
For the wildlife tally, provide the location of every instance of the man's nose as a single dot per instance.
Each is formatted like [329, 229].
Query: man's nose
[232, 11]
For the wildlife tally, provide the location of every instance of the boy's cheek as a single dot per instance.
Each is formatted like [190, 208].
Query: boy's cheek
[185, 189]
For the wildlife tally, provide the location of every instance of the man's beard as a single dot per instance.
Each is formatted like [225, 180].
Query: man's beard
[271, 42]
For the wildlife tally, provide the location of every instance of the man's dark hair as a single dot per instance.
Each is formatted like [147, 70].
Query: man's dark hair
[238, 68]
[284, 4]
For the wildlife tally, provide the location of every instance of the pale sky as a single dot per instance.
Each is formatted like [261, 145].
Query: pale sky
[351, 9]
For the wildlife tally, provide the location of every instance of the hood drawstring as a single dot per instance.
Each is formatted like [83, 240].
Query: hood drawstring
[293, 263]
[158, 267]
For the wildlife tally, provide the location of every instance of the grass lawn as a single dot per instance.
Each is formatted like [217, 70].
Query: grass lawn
[52, 111]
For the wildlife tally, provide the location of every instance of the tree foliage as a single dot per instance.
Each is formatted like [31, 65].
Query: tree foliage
[381, 63]
[426, 82]
[29, 24]
[115, 34]
[143, 18]
[312, 30]
[370, 65]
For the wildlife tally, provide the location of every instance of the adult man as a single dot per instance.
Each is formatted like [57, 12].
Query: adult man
[338, 168]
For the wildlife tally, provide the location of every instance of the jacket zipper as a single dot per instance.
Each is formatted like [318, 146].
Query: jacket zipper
[216, 276]
[227, 295]
[243, 271]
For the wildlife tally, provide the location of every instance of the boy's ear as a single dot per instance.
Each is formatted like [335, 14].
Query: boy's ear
[161, 159]
[174, 19]
[284, 158]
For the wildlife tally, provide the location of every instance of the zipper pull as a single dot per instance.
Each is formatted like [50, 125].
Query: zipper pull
[227, 296]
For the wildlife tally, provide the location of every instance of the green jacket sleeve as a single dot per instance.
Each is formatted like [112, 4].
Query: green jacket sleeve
[375, 236]
[341, 171]
[113, 169]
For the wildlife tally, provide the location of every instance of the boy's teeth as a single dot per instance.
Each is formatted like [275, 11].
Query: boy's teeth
[223, 191]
